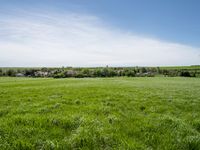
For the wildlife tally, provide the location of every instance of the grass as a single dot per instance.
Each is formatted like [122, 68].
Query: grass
[101, 113]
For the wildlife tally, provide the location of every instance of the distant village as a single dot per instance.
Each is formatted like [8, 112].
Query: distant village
[66, 72]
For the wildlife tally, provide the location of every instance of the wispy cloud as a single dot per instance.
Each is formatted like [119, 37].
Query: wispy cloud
[74, 39]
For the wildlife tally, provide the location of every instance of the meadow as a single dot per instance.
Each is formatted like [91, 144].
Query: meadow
[100, 113]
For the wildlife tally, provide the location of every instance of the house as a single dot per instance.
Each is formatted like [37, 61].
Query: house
[19, 75]
[41, 74]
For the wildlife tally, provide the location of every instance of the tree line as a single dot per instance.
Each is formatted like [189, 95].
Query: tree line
[66, 72]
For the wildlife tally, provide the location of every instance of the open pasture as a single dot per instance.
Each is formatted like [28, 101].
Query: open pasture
[100, 113]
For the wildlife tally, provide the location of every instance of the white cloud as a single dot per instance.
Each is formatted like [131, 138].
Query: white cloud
[72, 39]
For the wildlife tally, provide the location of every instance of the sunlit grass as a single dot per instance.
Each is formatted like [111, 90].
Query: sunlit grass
[101, 113]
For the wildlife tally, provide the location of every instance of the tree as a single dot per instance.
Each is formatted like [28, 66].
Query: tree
[1, 72]
[45, 69]
[59, 75]
[10, 73]
[130, 73]
[158, 70]
[105, 72]
[143, 70]
[30, 72]
[165, 72]
[185, 74]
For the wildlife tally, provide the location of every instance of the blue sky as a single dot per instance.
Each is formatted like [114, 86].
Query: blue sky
[113, 32]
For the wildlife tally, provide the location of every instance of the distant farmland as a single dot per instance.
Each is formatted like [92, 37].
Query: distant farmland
[100, 113]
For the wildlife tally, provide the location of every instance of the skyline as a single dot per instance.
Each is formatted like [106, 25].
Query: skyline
[66, 33]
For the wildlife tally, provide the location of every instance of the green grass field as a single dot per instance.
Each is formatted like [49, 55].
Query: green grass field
[100, 113]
